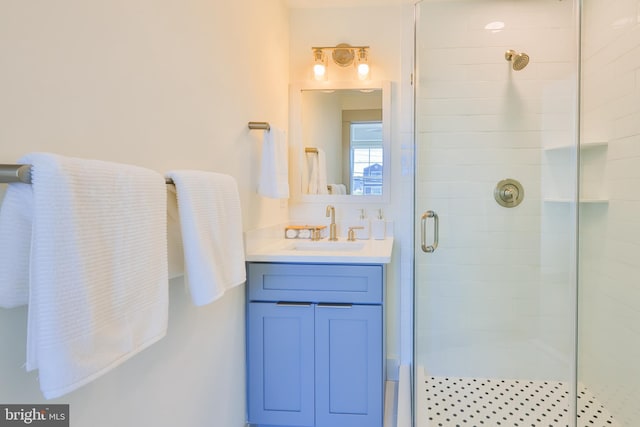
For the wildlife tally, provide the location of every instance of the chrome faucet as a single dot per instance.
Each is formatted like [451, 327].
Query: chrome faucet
[331, 211]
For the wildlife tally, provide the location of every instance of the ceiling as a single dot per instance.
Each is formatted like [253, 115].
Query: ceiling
[311, 4]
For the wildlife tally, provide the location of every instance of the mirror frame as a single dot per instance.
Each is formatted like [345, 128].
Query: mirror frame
[296, 148]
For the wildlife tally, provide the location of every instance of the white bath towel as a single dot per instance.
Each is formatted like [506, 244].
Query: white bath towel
[97, 267]
[211, 224]
[274, 168]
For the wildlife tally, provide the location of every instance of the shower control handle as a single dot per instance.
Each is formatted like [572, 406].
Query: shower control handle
[507, 193]
[423, 231]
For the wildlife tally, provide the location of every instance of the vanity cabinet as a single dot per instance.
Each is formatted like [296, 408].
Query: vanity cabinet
[315, 345]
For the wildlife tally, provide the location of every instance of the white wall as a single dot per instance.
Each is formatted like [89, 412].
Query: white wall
[165, 85]
[486, 305]
[609, 319]
[387, 30]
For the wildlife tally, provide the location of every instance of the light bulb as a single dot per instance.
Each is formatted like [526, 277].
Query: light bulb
[363, 71]
[319, 71]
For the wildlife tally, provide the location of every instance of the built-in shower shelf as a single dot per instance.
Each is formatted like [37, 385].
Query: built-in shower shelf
[582, 201]
[593, 144]
[584, 146]
[593, 161]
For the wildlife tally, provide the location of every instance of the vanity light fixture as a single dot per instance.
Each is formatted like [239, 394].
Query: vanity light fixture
[319, 64]
[343, 55]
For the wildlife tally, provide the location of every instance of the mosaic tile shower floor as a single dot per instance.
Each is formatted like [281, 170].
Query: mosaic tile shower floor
[473, 402]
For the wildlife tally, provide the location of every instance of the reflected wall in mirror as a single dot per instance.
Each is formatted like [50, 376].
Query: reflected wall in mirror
[344, 141]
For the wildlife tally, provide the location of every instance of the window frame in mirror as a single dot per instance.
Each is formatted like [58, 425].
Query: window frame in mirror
[296, 146]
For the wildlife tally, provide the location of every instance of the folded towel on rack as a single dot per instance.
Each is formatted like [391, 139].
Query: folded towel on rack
[274, 168]
[211, 224]
[97, 278]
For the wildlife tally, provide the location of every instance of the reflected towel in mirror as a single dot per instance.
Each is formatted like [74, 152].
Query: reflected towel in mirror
[317, 172]
[339, 189]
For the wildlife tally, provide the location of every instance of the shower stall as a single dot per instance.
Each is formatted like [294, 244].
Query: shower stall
[527, 160]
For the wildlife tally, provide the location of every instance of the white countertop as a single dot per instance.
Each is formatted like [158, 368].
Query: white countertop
[284, 250]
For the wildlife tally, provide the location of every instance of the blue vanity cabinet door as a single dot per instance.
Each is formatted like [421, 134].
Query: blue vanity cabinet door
[280, 363]
[349, 377]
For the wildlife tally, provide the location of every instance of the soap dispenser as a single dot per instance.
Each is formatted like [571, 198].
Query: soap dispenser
[363, 222]
[378, 226]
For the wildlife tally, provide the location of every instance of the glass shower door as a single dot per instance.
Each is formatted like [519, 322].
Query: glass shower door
[609, 314]
[495, 209]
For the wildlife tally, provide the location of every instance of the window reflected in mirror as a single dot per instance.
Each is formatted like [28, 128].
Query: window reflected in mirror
[366, 158]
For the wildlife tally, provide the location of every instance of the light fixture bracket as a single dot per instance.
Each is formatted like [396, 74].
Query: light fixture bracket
[343, 55]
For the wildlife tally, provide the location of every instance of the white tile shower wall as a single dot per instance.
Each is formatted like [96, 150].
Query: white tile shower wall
[610, 235]
[487, 296]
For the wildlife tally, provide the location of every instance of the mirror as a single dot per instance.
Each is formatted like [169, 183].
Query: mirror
[343, 141]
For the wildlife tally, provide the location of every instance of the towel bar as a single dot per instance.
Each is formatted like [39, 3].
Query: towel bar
[22, 173]
[259, 125]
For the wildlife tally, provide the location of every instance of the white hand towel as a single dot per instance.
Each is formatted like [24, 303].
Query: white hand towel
[98, 267]
[211, 224]
[274, 168]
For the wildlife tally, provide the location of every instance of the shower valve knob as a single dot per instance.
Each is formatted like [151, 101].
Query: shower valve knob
[509, 193]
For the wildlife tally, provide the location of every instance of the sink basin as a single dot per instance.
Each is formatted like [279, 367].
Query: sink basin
[328, 246]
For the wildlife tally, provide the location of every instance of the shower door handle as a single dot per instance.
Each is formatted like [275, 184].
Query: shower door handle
[423, 231]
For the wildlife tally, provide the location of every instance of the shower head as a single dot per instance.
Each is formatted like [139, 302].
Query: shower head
[518, 60]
